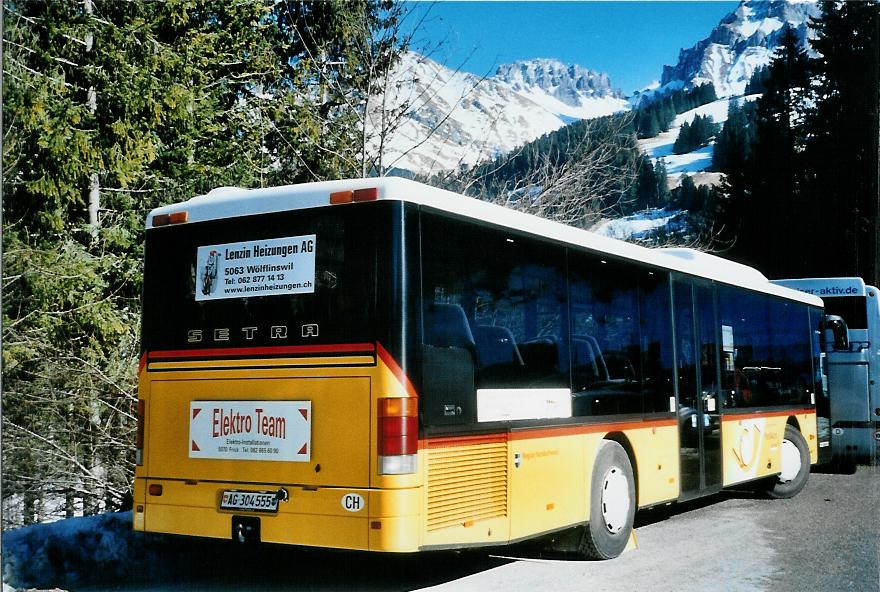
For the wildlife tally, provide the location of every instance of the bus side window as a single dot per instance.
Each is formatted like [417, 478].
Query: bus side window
[496, 346]
[769, 360]
[605, 328]
[448, 359]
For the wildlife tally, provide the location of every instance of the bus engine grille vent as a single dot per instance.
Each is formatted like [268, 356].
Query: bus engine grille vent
[466, 484]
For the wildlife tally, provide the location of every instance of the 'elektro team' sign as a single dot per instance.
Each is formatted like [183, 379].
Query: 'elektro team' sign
[251, 430]
[256, 268]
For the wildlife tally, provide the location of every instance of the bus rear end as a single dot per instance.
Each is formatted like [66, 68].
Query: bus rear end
[273, 402]
[851, 368]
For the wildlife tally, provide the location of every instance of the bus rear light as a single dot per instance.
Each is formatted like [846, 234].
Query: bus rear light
[339, 197]
[404, 464]
[178, 217]
[155, 489]
[368, 194]
[139, 435]
[398, 435]
[166, 219]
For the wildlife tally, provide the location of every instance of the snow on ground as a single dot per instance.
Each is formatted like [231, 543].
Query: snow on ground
[68, 552]
[699, 160]
[642, 224]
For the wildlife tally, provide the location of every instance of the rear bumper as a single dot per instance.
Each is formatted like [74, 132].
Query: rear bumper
[389, 520]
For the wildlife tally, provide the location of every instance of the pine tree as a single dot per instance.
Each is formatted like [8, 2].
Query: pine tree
[683, 140]
[758, 81]
[646, 186]
[662, 180]
[695, 134]
[842, 131]
[775, 179]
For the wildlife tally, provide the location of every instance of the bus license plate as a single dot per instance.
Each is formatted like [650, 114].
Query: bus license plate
[249, 501]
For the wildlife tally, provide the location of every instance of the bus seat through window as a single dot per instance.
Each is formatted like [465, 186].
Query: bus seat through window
[541, 354]
[446, 325]
[496, 346]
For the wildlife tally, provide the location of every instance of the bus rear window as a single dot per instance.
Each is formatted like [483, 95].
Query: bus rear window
[287, 278]
[852, 309]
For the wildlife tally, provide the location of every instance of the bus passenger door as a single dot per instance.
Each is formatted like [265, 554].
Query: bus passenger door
[699, 422]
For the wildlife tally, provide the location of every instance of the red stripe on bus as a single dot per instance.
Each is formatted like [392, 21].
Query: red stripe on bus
[396, 370]
[549, 432]
[758, 415]
[257, 351]
[545, 432]
[446, 441]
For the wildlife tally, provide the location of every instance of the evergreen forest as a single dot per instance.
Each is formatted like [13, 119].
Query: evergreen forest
[111, 109]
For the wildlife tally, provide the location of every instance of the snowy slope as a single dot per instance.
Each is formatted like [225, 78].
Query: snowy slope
[692, 162]
[642, 224]
[447, 119]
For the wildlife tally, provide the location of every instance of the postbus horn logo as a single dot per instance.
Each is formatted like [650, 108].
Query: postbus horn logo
[209, 277]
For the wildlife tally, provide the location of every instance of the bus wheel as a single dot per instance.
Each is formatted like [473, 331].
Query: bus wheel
[795, 466]
[612, 504]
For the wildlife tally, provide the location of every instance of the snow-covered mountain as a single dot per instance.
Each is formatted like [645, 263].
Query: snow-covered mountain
[743, 41]
[440, 119]
[571, 85]
[437, 118]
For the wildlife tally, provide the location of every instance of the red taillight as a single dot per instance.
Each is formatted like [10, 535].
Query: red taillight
[368, 194]
[339, 197]
[398, 426]
[348, 196]
[155, 489]
[166, 219]
[178, 217]
[139, 437]
[398, 435]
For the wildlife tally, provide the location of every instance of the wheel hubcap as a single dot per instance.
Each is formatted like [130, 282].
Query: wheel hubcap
[791, 461]
[615, 500]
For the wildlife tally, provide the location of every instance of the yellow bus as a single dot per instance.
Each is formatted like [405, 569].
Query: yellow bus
[379, 365]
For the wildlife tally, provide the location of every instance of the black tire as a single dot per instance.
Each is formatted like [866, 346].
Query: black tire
[782, 487]
[601, 539]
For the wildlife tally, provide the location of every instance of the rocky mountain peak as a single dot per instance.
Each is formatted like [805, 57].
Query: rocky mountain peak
[743, 41]
[567, 83]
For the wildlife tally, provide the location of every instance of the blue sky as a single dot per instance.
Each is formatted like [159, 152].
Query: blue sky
[631, 41]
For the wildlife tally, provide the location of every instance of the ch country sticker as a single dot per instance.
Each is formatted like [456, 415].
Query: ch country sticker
[353, 502]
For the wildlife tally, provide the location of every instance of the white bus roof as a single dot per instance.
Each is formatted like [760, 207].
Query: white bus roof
[229, 202]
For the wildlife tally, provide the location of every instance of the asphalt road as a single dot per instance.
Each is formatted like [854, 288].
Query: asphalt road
[826, 538]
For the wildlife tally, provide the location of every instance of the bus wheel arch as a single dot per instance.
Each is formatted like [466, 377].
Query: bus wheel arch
[624, 442]
[795, 465]
[612, 503]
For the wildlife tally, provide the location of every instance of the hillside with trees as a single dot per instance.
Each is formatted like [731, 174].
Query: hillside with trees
[801, 166]
[592, 170]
